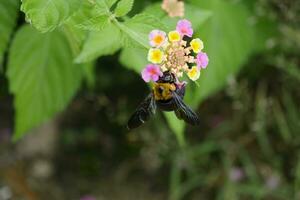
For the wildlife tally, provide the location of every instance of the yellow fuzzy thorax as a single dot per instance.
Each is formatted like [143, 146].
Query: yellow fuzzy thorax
[163, 91]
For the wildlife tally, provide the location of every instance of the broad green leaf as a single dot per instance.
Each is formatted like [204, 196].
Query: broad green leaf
[86, 19]
[176, 126]
[123, 7]
[94, 24]
[229, 40]
[46, 15]
[75, 37]
[8, 16]
[136, 30]
[89, 74]
[100, 43]
[91, 16]
[134, 59]
[41, 76]
[110, 3]
[105, 5]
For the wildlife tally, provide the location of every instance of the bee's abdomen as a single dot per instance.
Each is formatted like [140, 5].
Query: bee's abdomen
[166, 105]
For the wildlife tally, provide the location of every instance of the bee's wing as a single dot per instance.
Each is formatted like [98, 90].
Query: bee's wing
[143, 112]
[184, 112]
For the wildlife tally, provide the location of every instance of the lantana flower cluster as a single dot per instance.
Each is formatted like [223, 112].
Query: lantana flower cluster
[176, 52]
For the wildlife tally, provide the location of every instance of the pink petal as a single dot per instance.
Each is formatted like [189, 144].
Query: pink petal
[145, 75]
[151, 72]
[202, 60]
[154, 77]
[184, 22]
[154, 33]
[184, 27]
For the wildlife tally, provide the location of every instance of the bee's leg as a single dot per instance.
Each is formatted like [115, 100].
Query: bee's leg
[181, 89]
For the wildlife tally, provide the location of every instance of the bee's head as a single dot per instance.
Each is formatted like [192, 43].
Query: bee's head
[167, 77]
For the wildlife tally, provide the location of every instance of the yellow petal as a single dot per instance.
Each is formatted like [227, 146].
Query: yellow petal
[194, 73]
[197, 45]
[155, 56]
[174, 36]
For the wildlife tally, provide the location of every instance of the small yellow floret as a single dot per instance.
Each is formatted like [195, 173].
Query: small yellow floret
[197, 45]
[194, 73]
[155, 56]
[158, 39]
[174, 36]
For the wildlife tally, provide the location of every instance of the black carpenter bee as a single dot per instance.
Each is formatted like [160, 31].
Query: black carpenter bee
[167, 95]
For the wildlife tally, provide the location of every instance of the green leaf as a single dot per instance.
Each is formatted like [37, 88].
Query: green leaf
[89, 74]
[110, 3]
[105, 5]
[8, 16]
[123, 7]
[91, 16]
[229, 40]
[94, 24]
[176, 126]
[75, 37]
[99, 44]
[136, 30]
[41, 76]
[46, 15]
[134, 59]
